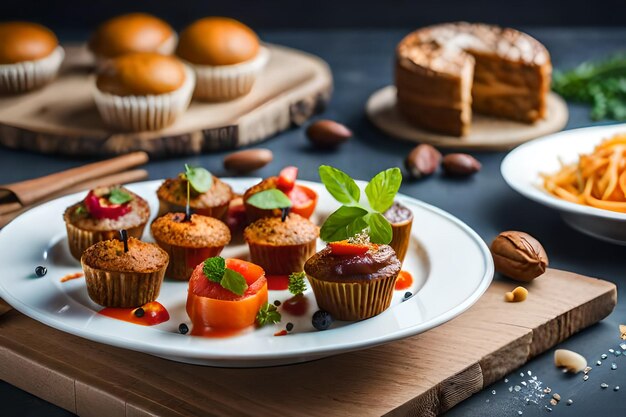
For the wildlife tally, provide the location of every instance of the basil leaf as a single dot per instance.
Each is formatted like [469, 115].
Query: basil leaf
[340, 185]
[119, 196]
[269, 199]
[200, 179]
[341, 223]
[214, 268]
[234, 282]
[379, 228]
[382, 189]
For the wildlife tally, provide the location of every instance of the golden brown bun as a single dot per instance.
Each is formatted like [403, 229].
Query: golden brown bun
[217, 41]
[134, 32]
[140, 74]
[25, 41]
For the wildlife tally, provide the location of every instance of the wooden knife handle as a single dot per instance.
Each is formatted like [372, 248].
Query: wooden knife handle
[30, 191]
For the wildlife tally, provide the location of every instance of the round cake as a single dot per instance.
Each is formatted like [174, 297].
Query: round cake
[444, 72]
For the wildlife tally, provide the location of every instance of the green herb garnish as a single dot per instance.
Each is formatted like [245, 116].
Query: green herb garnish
[80, 210]
[215, 270]
[119, 196]
[297, 285]
[353, 217]
[200, 179]
[601, 84]
[268, 314]
[269, 200]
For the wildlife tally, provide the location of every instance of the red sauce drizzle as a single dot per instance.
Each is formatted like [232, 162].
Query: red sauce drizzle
[277, 282]
[297, 305]
[211, 332]
[404, 281]
[154, 313]
[281, 333]
[72, 276]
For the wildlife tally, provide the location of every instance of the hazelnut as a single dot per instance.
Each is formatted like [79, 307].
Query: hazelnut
[423, 160]
[460, 164]
[328, 134]
[519, 256]
[248, 160]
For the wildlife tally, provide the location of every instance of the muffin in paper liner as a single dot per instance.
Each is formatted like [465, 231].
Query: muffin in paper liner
[279, 259]
[353, 301]
[150, 112]
[80, 239]
[30, 75]
[183, 260]
[228, 82]
[401, 237]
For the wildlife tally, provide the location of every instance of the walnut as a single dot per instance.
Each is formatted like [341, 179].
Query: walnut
[519, 256]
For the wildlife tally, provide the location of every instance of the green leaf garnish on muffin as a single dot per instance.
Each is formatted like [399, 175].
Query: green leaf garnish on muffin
[270, 199]
[353, 217]
[200, 179]
[215, 270]
[119, 196]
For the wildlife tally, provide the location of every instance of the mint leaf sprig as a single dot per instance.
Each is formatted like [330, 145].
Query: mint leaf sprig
[353, 217]
[297, 285]
[268, 314]
[199, 178]
[270, 199]
[215, 270]
[119, 196]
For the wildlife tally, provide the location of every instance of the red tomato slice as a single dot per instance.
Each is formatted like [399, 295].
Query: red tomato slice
[303, 199]
[101, 208]
[287, 178]
[344, 248]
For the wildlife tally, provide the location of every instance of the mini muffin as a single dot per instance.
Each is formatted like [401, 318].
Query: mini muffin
[172, 196]
[143, 91]
[189, 242]
[225, 55]
[129, 33]
[97, 218]
[116, 278]
[281, 247]
[30, 57]
[401, 219]
[353, 281]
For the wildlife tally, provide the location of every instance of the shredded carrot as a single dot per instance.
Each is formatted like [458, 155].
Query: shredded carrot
[597, 179]
[71, 276]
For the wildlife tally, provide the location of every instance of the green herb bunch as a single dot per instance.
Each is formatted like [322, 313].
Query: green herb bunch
[601, 84]
[353, 217]
[215, 270]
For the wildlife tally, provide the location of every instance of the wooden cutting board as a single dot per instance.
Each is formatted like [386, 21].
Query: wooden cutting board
[486, 133]
[62, 117]
[422, 376]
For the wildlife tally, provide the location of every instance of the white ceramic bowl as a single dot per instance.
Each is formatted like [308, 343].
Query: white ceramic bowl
[522, 169]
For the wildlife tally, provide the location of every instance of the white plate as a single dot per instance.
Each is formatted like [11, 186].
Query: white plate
[450, 264]
[523, 166]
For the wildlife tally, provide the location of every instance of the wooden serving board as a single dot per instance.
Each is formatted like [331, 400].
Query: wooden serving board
[62, 117]
[486, 133]
[422, 376]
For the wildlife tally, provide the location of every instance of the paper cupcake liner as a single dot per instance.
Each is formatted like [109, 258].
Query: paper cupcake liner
[218, 212]
[184, 260]
[227, 82]
[80, 239]
[29, 75]
[281, 260]
[401, 237]
[151, 112]
[122, 289]
[353, 301]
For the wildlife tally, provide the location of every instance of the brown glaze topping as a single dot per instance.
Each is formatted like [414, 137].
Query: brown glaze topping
[134, 32]
[198, 232]
[141, 257]
[25, 41]
[140, 74]
[217, 41]
[295, 230]
[379, 262]
[398, 213]
[174, 191]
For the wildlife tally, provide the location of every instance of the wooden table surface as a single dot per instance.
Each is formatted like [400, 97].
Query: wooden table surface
[361, 63]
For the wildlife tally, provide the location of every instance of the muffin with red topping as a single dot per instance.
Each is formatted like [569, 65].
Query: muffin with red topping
[281, 247]
[401, 220]
[189, 241]
[353, 279]
[208, 195]
[102, 214]
[303, 199]
[124, 274]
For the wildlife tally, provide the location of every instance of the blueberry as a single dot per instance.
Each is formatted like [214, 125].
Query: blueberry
[322, 320]
[40, 271]
[407, 295]
[139, 312]
[183, 329]
[276, 303]
[289, 327]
